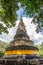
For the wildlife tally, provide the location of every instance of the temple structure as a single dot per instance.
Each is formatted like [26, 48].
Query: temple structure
[21, 50]
[21, 43]
[21, 37]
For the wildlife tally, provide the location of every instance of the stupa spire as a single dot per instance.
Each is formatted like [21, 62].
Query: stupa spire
[21, 24]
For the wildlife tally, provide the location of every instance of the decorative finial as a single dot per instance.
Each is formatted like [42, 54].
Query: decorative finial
[21, 18]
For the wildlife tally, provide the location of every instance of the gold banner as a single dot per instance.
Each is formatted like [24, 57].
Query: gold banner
[21, 52]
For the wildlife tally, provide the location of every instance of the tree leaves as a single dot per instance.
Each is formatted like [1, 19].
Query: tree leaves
[8, 9]
[2, 28]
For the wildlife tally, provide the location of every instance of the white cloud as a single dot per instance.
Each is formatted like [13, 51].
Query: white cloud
[12, 31]
[30, 27]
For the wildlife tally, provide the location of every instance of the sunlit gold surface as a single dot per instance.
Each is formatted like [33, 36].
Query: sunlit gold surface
[21, 52]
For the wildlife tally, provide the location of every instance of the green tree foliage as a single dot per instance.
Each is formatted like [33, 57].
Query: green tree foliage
[32, 6]
[1, 54]
[41, 49]
[8, 10]
[3, 46]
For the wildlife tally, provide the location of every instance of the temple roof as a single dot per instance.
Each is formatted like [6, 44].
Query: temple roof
[21, 37]
[21, 31]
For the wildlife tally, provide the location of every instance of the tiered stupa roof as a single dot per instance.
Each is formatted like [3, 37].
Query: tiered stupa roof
[21, 43]
[21, 36]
